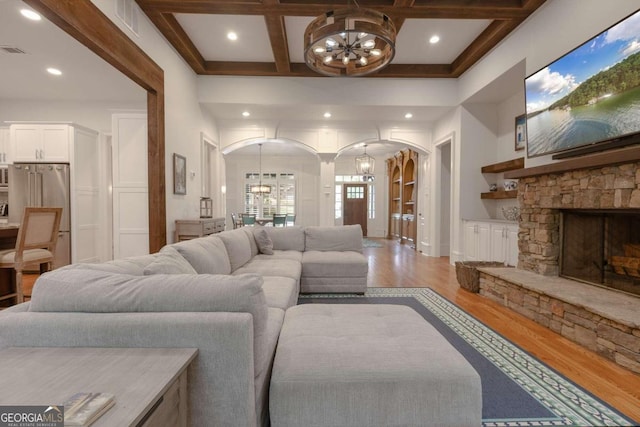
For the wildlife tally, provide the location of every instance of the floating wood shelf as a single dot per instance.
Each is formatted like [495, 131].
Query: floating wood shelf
[500, 194]
[409, 183]
[508, 165]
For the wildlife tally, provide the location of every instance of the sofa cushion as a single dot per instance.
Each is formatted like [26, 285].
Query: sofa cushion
[342, 238]
[100, 292]
[334, 264]
[169, 261]
[207, 255]
[238, 247]
[293, 255]
[287, 238]
[272, 267]
[264, 242]
[252, 241]
[131, 265]
[280, 292]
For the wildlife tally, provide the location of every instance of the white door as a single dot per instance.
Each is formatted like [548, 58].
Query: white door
[55, 143]
[470, 241]
[484, 241]
[498, 252]
[130, 185]
[27, 142]
[512, 245]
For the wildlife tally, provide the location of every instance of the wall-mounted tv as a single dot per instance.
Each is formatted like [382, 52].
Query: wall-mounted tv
[589, 96]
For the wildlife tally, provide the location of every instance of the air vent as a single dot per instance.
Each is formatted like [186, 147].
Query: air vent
[127, 11]
[11, 49]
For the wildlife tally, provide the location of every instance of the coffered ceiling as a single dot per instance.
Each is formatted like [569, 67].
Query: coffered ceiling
[270, 33]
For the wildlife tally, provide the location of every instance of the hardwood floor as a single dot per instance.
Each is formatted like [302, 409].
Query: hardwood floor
[396, 265]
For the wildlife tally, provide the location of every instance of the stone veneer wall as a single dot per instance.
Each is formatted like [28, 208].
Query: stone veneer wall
[541, 198]
[609, 338]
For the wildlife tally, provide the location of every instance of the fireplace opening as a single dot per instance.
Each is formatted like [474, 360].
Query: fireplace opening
[602, 247]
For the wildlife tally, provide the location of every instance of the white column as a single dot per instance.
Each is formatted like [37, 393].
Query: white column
[327, 190]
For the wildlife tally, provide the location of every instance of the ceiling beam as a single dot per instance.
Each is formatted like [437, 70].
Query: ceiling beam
[278, 38]
[451, 9]
[175, 34]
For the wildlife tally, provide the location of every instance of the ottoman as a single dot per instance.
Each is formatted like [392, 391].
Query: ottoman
[369, 365]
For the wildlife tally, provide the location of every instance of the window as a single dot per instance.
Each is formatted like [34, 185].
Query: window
[371, 202]
[281, 199]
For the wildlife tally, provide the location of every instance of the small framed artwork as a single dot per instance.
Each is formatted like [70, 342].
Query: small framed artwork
[179, 174]
[521, 132]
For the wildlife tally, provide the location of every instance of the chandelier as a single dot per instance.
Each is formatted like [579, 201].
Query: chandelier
[349, 42]
[259, 190]
[365, 164]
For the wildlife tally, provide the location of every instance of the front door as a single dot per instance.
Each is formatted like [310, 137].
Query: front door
[354, 200]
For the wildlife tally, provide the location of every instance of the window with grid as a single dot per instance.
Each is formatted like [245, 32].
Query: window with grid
[371, 200]
[281, 199]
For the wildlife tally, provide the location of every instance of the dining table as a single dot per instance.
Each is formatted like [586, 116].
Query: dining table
[264, 221]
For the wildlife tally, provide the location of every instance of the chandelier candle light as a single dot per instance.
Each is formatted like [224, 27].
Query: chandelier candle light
[349, 42]
[259, 190]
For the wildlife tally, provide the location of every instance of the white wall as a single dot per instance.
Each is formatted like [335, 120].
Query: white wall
[184, 117]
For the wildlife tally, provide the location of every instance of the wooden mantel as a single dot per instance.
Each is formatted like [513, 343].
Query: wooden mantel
[614, 157]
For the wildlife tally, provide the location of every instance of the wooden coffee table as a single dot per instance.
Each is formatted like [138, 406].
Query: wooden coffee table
[149, 384]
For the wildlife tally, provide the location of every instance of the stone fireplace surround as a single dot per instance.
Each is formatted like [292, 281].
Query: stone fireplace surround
[604, 321]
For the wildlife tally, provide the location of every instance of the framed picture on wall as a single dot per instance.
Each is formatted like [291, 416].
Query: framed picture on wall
[179, 174]
[521, 132]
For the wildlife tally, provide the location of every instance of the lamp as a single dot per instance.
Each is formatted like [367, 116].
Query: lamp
[349, 42]
[365, 164]
[259, 190]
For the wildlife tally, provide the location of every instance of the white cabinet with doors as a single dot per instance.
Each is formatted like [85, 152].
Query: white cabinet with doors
[491, 241]
[40, 142]
[5, 146]
[504, 243]
[477, 244]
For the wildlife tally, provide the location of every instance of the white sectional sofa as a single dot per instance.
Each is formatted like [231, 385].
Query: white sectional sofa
[224, 294]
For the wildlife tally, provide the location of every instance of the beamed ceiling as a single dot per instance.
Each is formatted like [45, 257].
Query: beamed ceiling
[270, 33]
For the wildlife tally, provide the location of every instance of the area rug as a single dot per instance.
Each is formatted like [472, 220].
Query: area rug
[367, 243]
[517, 389]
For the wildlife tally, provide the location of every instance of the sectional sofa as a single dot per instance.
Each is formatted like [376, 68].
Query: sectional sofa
[225, 294]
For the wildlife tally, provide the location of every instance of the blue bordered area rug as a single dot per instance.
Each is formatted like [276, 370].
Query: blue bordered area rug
[517, 389]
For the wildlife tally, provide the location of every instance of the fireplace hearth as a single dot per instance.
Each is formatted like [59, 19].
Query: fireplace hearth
[601, 247]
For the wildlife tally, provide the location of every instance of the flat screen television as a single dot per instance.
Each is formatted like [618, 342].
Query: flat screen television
[589, 96]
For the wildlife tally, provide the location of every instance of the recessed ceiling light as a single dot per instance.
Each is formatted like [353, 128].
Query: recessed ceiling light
[232, 36]
[327, 115]
[434, 39]
[30, 14]
[246, 114]
[54, 71]
[408, 116]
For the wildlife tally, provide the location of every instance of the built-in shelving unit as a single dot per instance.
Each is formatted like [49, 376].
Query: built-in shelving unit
[495, 168]
[402, 170]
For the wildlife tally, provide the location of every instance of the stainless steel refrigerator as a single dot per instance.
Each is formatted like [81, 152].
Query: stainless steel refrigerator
[43, 184]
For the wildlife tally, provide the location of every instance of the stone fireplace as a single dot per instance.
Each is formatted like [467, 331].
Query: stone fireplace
[579, 226]
[544, 198]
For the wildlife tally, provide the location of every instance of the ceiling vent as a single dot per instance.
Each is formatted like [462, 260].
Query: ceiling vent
[127, 11]
[11, 49]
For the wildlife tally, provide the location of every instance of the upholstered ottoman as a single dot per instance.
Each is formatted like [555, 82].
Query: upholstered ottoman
[369, 365]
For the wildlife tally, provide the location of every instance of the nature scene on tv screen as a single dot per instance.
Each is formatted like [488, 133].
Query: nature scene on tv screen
[592, 94]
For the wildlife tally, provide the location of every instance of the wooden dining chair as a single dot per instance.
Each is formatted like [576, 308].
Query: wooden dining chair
[235, 219]
[248, 219]
[279, 220]
[35, 244]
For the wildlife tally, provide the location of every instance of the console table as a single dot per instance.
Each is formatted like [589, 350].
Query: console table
[149, 384]
[187, 229]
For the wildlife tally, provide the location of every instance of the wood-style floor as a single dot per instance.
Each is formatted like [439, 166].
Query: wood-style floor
[396, 265]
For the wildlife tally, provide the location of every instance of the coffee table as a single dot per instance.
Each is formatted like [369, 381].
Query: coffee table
[149, 384]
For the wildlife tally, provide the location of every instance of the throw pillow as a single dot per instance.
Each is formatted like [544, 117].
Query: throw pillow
[265, 245]
[169, 261]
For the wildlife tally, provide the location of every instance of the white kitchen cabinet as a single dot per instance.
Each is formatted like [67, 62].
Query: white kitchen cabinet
[5, 146]
[491, 241]
[41, 142]
[477, 241]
